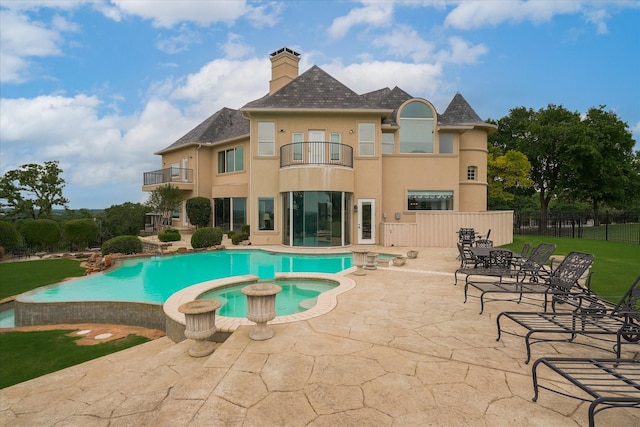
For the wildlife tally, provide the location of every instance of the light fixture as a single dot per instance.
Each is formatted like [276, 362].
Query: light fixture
[281, 130]
[351, 131]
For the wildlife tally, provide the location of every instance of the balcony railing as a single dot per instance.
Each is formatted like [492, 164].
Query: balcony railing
[316, 153]
[168, 175]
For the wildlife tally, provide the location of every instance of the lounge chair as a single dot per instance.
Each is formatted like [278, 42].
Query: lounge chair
[594, 318]
[527, 275]
[611, 383]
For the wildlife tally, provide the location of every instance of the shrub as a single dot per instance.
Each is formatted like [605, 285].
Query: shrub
[169, 235]
[199, 211]
[245, 229]
[230, 234]
[81, 231]
[206, 237]
[41, 232]
[237, 238]
[9, 237]
[122, 245]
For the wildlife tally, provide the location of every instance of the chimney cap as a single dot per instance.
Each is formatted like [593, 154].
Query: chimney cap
[285, 49]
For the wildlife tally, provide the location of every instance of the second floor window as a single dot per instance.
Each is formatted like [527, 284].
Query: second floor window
[472, 173]
[366, 139]
[416, 128]
[388, 143]
[446, 143]
[335, 147]
[230, 160]
[266, 138]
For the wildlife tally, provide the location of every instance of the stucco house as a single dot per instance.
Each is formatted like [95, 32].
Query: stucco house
[313, 163]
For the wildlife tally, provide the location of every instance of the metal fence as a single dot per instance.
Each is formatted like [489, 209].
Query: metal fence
[617, 226]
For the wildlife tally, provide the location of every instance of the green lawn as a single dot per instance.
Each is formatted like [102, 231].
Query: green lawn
[27, 355]
[22, 276]
[616, 265]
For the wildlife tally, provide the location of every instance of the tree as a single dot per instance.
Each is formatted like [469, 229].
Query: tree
[81, 231]
[600, 164]
[545, 137]
[507, 174]
[41, 233]
[199, 211]
[126, 219]
[165, 199]
[33, 190]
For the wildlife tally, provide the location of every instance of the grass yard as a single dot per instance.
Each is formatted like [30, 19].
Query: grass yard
[615, 268]
[22, 276]
[27, 355]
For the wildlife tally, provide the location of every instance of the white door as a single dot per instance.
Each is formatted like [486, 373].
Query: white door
[316, 151]
[366, 221]
[185, 169]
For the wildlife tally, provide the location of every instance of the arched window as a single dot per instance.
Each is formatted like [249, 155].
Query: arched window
[416, 128]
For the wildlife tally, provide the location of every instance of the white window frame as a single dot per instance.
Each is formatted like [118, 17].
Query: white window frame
[472, 173]
[334, 150]
[388, 143]
[297, 152]
[366, 144]
[266, 138]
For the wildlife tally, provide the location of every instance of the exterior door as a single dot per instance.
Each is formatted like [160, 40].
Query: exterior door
[366, 221]
[316, 151]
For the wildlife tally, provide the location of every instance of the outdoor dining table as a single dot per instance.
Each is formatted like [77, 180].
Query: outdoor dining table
[482, 253]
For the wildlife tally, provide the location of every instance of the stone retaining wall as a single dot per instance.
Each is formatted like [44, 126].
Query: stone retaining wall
[108, 312]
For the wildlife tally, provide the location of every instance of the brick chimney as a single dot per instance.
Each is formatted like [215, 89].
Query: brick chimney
[284, 68]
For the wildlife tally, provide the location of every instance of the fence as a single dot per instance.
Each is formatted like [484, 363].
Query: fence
[618, 226]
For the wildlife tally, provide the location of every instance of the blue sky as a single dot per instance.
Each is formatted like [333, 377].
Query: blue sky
[101, 85]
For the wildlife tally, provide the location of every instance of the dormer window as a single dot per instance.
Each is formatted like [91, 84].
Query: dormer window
[416, 128]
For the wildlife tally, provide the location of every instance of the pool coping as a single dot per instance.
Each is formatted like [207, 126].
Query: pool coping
[326, 302]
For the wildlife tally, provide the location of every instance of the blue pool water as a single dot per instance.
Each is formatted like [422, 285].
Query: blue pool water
[155, 279]
[296, 296]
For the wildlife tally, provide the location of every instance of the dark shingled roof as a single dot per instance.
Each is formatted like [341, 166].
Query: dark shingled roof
[312, 89]
[459, 112]
[316, 89]
[223, 125]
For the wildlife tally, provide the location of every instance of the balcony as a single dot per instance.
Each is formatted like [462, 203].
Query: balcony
[316, 153]
[180, 177]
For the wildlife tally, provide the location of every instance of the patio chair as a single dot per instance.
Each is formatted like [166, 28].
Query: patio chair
[610, 383]
[466, 237]
[467, 261]
[484, 243]
[527, 277]
[595, 318]
[497, 264]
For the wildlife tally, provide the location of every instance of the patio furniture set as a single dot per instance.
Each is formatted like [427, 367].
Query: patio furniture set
[569, 310]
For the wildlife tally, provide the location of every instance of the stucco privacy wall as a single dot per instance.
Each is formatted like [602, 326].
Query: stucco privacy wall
[439, 228]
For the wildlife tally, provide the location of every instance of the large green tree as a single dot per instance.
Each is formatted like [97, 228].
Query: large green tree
[507, 177]
[32, 190]
[199, 211]
[126, 219]
[599, 166]
[545, 137]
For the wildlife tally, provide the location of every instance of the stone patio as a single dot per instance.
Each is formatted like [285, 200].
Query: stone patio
[400, 349]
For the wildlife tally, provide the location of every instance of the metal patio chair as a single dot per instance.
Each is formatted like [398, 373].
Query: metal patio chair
[594, 317]
[527, 277]
[496, 264]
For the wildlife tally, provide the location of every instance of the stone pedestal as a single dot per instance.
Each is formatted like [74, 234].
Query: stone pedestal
[200, 319]
[359, 260]
[261, 307]
[372, 261]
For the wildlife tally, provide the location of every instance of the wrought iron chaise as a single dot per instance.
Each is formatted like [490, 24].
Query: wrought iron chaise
[593, 317]
[529, 277]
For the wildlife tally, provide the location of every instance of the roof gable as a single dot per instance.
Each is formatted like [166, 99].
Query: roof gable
[223, 125]
[312, 89]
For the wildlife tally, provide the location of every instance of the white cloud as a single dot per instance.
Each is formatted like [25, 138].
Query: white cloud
[377, 14]
[404, 41]
[461, 52]
[168, 13]
[179, 42]
[598, 17]
[20, 40]
[235, 48]
[476, 14]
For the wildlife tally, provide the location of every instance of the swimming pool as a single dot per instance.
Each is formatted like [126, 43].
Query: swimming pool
[155, 279]
[296, 296]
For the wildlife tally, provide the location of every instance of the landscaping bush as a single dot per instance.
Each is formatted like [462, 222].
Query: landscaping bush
[41, 233]
[199, 211]
[245, 229]
[169, 235]
[9, 237]
[81, 231]
[237, 238]
[122, 245]
[206, 237]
